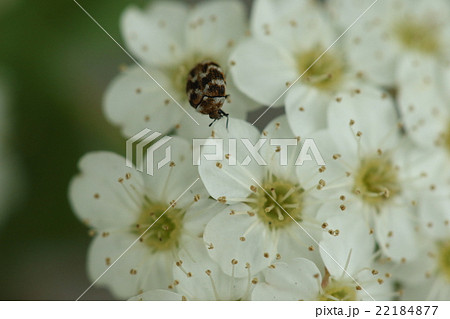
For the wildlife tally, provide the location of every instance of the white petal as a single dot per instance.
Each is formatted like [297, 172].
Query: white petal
[225, 233]
[96, 195]
[152, 271]
[345, 12]
[134, 102]
[213, 26]
[434, 213]
[174, 178]
[292, 281]
[262, 70]
[306, 109]
[200, 213]
[296, 240]
[335, 171]
[372, 289]
[240, 103]
[374, 115]
[156, 36]
[395, 232]
[281, 149]
[331, 208]
[351, 250]
[292, 24]
[421, 99]
[200, 286]
[370, 51]
[222, 177]
[414, 271]
[371, 54]
[446, 78]
[188, 129]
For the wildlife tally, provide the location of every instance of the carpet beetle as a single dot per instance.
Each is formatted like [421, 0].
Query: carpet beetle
[205, 87]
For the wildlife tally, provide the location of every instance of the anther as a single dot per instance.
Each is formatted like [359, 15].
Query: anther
[222, 199]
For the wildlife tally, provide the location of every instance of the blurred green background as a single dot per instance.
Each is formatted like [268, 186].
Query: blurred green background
[58, 64]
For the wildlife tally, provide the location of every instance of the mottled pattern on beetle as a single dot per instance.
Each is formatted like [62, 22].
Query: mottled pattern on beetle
[206, 88]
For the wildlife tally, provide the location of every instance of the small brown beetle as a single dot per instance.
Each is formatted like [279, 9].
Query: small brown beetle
[205, 88]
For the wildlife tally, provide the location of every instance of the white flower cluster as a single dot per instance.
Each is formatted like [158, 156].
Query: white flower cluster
[366, 81]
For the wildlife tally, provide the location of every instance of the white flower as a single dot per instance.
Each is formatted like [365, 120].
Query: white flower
[427, 277]
[198, 277]
[374, 174]
[288, 37]
[425, 106]
[348, 274]
[169, 40]
[120, 204]
[390, 31]
[272, 208]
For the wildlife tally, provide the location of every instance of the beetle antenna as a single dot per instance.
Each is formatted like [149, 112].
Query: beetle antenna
[221, 112]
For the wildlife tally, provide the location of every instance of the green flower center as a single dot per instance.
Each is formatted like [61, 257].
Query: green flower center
[278, 193]
[165, 232]
[418, 35]
[376, 180]
[444, 259]
[447, 138]
[338, 291]
[326, 73]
